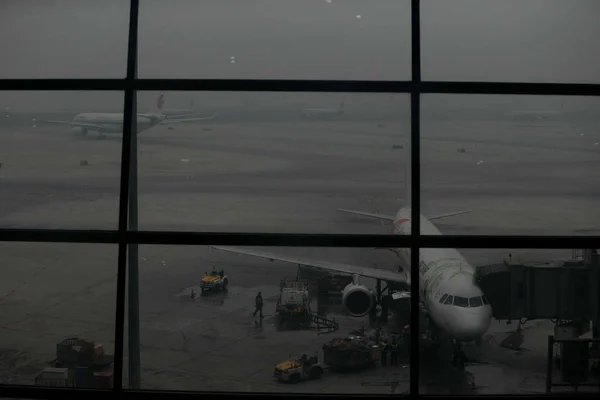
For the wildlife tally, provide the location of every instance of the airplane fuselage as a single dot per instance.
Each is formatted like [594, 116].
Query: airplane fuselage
[447, 287]
[111, 122]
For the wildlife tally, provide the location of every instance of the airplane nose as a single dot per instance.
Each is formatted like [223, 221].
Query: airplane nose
[473, 324]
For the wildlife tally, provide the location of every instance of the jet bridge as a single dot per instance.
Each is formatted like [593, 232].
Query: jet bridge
[566, 290]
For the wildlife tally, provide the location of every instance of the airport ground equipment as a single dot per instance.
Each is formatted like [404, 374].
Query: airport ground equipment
[350, 353]
[73, 352]
[293, 304]
[575, 359]
[216, 281]
[293, 308]
[79, 363]
[57, 377]
[300, 369]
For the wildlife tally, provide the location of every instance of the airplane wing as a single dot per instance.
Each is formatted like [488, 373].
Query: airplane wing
[57, 122]
[440, 216]
[366, 214]
[388, 276]
[168, 121]
[391, 218]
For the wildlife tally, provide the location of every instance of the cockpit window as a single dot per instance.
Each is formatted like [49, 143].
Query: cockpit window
[475, 301]
[485, 300]
[443, 298]
[448, 300]
[461, 301]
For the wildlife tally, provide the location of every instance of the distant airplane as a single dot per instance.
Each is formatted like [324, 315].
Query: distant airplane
[324, 112]
[448, 291]
[104, 123]
[175, 112]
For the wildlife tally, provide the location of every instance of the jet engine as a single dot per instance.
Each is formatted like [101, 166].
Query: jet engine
[79, 130]
[357, 299]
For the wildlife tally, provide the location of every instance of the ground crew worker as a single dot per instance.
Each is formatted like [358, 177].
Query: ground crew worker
[394, 348]
[258, 304]
[385, 347]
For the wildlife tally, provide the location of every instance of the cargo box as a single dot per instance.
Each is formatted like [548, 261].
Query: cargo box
[83, 377]
[103, 380]
[58, 377]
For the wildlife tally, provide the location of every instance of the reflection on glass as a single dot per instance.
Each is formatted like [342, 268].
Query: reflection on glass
[269, 162]
[58, 314]
[60, 156]
[490, 313]
[63, 39]
[520, 164]
[511, 40]
[243, 323]
[275, 39]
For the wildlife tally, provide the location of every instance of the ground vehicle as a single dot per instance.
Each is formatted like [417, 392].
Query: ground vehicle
[293, 305]
[215, 281]
[301, 369]
[352, 352]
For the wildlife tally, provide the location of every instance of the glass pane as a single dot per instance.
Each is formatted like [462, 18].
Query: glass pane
[511, 40]
[63, 39]
[275, 39]
[268, 162]
[204, 332]
[504, 342]
[475, 301]
[461, 301]
[523, 165]
[58, 311]
[55, 171]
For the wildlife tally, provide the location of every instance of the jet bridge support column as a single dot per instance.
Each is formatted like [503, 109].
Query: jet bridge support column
[592, 261]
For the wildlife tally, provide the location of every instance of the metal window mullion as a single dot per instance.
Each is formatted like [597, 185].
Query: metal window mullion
[275, 239]
[415, 128]
[128, 130]
[305, 86]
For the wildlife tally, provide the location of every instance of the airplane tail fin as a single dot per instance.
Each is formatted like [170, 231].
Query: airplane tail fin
[341, 108]
[160, 102]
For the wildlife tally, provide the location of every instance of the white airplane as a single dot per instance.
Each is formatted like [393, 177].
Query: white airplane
[174, 112]
[324, 112]
[448, 294]
[104, 123]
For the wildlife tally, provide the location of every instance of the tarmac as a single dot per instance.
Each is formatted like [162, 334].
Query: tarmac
[263, 176]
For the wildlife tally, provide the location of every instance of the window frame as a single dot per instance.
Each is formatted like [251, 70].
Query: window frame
[126, 235]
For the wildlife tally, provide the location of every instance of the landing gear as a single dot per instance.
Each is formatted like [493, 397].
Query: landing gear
[459, 359]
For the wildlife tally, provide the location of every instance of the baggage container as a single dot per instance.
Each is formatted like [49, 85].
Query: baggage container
[58, 377]
[103, 380]
[83, 377]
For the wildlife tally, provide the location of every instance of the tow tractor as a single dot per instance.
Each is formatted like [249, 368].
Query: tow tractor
[300, 369]
[215, 281]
